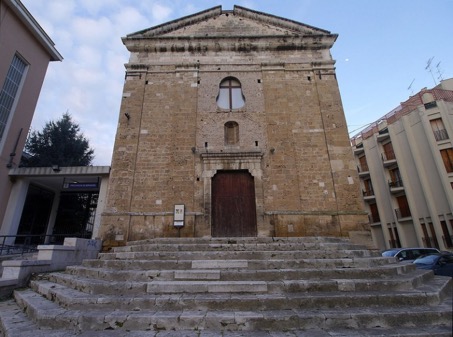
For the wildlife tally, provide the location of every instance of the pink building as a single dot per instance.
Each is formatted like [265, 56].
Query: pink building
[25, 53]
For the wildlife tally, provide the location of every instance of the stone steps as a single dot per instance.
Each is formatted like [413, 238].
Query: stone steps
[237, 255]
[176, 243]
[237, 245]
[241, 274]
[16, 323]
[51, 315]
[234, 287]
[224, 247]
[113, 286]
[251, 264]
[74, 299]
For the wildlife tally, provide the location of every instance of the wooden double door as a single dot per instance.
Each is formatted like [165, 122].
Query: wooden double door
[233, 204]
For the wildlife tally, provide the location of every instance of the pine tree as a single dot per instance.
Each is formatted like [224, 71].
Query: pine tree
[59, 143]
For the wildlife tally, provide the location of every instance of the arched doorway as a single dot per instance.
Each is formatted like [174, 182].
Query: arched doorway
[233, 204]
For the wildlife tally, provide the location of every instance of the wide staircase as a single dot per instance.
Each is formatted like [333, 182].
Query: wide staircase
[312, 286]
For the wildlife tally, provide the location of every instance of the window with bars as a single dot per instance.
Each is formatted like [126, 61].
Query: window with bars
[230, 94]
[10, 89]
[395, 178]
[439, 129]
[403, 211]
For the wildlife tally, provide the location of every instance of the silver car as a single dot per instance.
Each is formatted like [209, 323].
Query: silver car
[405, 254]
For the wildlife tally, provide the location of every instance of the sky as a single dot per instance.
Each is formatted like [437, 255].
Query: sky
[381, 54]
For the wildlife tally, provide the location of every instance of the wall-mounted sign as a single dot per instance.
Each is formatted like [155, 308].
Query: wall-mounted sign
[178, 216]
[70, 184]
[82, 185]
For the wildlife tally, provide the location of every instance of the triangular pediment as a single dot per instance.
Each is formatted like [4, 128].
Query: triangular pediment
[240, 21]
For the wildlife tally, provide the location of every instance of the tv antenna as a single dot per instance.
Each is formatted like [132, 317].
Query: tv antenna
[439, 72]
[430, 69]
[410, 87]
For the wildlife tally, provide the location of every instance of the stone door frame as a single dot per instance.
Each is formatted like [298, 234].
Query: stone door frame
[251, 161]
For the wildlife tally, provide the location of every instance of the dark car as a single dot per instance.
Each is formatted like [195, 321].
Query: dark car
[404, 254]
[441, 264]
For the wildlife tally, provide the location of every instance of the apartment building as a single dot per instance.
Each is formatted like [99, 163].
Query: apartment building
[405, 165]
[25, 53]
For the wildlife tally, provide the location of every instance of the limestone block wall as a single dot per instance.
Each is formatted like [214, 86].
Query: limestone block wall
[292, 138]
[306, 182]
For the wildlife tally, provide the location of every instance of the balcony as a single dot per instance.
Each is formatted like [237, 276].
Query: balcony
[382, 136]
[388, 158]
[440, 135]
[368, 195]
[394, 244]
[403, 214]
[363, 170]
[358, 150]
[430, 242]
[374, 219]
[396, 186]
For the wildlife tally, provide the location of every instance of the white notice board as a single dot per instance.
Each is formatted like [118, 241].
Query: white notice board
[178, 216]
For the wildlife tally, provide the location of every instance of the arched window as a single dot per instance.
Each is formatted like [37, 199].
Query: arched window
[231, 133]
[230, 94]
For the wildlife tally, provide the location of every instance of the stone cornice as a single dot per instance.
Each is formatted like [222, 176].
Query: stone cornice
[231, 155]
[325, 65]
[245, 44]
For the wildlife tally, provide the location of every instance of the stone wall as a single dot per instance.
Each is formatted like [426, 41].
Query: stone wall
[292, 138]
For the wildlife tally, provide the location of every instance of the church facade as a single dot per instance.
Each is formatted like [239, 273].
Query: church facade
[231, 125]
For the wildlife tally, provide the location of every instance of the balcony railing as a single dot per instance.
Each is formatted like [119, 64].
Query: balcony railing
[368, 193]
[396, 183]
[363, 168]
[374, 218]
[448, 241]
[440, 135]
[430, 242]
[403, 213]
[389, 155]
[394, 244]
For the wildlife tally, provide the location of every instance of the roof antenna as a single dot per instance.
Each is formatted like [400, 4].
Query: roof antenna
[439, 72]
[430, 69]
[410, 87]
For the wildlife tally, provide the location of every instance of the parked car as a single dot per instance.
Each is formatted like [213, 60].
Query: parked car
[405, 254]
[441, 264]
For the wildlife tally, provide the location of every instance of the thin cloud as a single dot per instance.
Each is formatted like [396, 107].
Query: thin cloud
[89, 81]
[160, 12]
